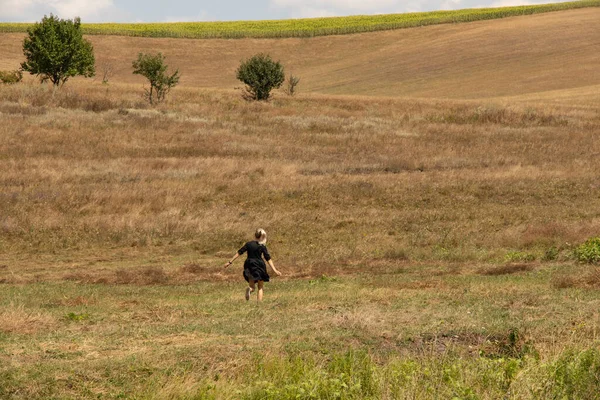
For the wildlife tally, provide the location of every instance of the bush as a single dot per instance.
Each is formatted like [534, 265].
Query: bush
[588, 252]
[55, 50]
[10, 77]
[261, 75]
[153, 67]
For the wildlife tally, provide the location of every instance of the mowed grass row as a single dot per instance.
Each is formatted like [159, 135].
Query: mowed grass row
[310, 27]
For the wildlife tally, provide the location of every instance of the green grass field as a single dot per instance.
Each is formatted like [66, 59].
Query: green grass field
[311, 26]
[405, 333]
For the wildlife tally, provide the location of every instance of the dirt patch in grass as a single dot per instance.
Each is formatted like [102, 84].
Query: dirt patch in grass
[564, 282]
[194, 268]
[422, 284]
[86, 277]
[453, 269]
[493, 345]
[153, 275]
[506, 269]
[143, 276]
[591, 279]
[122, 276]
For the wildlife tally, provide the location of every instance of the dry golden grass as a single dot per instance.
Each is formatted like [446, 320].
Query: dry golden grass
[15, 319]
[93, 177]
[512, 56]
[405, 229]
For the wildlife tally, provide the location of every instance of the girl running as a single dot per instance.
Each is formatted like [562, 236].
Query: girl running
[255, 270]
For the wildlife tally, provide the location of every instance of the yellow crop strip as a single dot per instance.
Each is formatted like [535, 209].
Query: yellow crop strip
[311, 26]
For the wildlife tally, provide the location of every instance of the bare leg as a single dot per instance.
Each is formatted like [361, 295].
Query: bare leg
[260, 290]
[249, 289]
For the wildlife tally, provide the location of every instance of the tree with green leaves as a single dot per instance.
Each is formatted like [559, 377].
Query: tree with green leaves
[261, 75]
[153, 67]
[56, 50]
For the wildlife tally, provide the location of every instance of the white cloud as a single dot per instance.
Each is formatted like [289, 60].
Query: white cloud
[311, 12]
[510, 3]
[79, 8]
[34, 10]
[202, 16]
[326, 5]
[450, 4]
[15, 8]
[318, 8]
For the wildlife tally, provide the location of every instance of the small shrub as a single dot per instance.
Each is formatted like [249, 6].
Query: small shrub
[76, 317]
[10, 77]
[153, 68]
[260, 74]
[588, 252]
[551, 254]
[519, 256]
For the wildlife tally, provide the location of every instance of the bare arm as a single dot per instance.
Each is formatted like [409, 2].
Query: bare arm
[273, 268]
[232, 260]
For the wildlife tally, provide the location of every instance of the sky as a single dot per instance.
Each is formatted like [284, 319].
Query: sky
[225, 10]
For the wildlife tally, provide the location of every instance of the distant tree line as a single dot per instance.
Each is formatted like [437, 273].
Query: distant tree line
[56, 51]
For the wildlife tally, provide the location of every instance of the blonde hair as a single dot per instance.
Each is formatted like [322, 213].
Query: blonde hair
[261, 236]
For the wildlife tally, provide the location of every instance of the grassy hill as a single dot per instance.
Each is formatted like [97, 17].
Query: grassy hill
[428, 244]
[484, 59]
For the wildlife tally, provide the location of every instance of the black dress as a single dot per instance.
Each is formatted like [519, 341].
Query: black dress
[254, 266]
